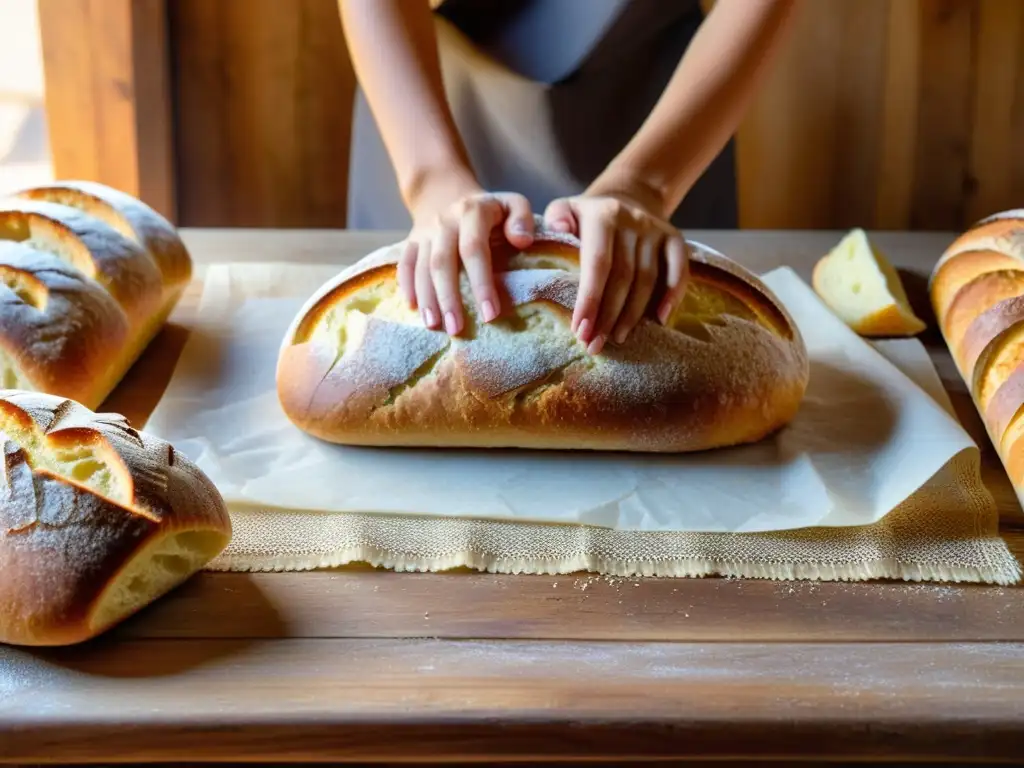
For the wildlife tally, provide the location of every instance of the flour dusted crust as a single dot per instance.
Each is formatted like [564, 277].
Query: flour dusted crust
[97, 520]
[358, 367]
[977, 291]
[88, 275]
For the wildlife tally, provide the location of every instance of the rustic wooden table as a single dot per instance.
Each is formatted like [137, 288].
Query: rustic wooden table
[363, 665]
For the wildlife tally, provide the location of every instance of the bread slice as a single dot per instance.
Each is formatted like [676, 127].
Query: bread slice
[864, 290]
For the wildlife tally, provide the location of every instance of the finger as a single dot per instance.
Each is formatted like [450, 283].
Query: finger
[617, 289]
[677, 272]
[407, 272]
[444, 273]
[597, 241]
[475, 253]
[559, 217]
[519, 228]
[425, 296]
[644, 283]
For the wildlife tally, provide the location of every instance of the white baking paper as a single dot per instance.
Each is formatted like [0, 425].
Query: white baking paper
[866, 436]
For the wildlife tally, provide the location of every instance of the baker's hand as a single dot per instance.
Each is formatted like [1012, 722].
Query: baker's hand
[451, 233]
[623, 250]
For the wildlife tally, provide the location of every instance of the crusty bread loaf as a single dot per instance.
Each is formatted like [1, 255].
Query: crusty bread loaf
[977, 291]
[88, 275]
[358, 367]
[859, 284]
[97, 520]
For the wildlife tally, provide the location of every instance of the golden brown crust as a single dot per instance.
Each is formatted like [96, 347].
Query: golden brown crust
[954, 274]
[97, 520]
[888, 321]
[977, 296]
[1005, 404]
[103, 273]
[977, 290]
[358, 367]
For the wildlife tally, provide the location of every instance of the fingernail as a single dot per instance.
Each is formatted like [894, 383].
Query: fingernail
[520, 228]
[450, 324]
[429, 319]
[560, 225]
[620, 336]
[583, 331]
[488, 311]
[596, 345]
[663, 313]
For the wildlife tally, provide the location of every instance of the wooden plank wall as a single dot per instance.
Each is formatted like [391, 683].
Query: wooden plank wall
[108, 99]
[264, 94]
[892, 114]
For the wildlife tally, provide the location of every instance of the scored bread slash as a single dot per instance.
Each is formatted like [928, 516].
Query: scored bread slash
[97, 520]
[859, 285]
[977, 291]
[730, 367]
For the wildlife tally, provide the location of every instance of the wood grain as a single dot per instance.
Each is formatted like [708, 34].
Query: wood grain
[895, 114]
[108, 103]
[360, 602]
[385, 699]
[264, 93]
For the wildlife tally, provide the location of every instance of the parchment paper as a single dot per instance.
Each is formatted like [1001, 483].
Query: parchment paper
[866, 437]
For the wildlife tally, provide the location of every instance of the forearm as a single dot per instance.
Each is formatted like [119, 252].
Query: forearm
[393, 47]
[703, 104]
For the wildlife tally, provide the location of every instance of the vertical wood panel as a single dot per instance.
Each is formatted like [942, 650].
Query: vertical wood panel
[896, 114]
[998, 108]
[264, 102]
[895, 193]
[942, 181]
[108, 95]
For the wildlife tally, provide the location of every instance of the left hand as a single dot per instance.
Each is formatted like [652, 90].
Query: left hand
[624, 248]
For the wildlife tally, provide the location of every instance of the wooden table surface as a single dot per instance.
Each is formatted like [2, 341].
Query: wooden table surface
[362, 665]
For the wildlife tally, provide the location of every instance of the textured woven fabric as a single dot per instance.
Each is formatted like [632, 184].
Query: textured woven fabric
[947, 531]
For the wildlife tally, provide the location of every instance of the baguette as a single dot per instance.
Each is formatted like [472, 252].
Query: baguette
[97, 520]
[358, 367]
[88, 276]
[977, 291]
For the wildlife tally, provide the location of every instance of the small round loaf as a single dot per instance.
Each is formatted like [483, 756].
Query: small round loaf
[71, 241]
[97, 520]
[358, 367]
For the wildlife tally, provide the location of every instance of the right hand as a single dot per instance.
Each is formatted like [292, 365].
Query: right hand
[452, 230]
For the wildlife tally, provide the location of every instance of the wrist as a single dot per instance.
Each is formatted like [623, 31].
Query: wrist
[428, 192]
[635, 188]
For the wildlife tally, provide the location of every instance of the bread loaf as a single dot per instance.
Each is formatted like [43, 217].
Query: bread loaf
[977, 291]
[97, 520]
[864, 290]
[358, 367]
[88, 275]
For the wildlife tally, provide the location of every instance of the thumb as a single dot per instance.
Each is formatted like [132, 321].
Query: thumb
[559, 217]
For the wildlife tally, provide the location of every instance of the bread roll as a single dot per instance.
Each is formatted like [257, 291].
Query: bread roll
[88, 275]
[864, 290]
[97, 520]
[977, 290]
[358, 367]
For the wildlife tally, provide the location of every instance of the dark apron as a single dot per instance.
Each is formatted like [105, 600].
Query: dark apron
[545, 93]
